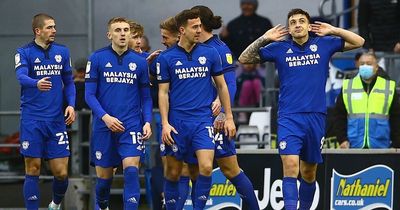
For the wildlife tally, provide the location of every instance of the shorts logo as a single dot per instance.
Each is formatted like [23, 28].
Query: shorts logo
[58, 58]
[174, 148]
[132, 66]
[202, 60]
[98, 155]
[282, 145]
[25, 145]
[162, 147]
[313, 47]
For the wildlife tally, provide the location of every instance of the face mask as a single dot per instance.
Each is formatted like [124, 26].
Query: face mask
[366, 71]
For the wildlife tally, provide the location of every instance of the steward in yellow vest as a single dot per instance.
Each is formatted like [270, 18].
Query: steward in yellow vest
[368, 110]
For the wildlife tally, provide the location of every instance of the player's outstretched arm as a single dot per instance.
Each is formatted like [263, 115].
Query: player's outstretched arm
[250, 54]
[352, 40]
[163, 104]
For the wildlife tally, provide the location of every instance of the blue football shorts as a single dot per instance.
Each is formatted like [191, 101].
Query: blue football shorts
[108, 148]
[192, 136]
[302, 134]
[44, 139]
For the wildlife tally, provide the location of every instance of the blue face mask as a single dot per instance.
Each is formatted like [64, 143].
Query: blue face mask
[366, 71]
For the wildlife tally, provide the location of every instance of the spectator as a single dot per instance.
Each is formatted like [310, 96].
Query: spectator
[244, 29]
[368, 99]
[379, 25]
[79, 80]
[250, 85]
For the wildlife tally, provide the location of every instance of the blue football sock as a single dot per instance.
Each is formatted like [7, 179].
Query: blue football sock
[171, 193]
[203, 186]
[131, 188]
[183, 191]
[59, 189]
[103, 187]
[246, 190]
[31, 192]
[306, 194]
[290, 193]
[193, 192]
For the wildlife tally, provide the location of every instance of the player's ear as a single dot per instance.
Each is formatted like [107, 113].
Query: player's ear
[37, 31]
[181, 30]
[108, 35]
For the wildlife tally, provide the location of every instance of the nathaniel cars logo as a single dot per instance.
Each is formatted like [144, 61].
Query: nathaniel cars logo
[367, 189]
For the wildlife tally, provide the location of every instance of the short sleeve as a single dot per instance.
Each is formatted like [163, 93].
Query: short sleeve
[162, 70]
[335, 43]
[266, 53]
[216, 65]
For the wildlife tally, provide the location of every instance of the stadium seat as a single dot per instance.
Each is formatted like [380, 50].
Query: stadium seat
[248, 134]
[262, 120]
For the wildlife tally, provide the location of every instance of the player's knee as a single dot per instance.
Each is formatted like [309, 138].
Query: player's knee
[308, 175]
[33, 169]
[60, 174]
[173, 174]
[205, 169]
[230, 172]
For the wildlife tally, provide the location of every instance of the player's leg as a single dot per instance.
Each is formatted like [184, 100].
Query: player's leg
[171, 187]
[203, 182]
[310, 157]
[308, 173]
[131, 149]
[57, 151]
[183, 186]
[225, 154]
[31, 140]
[230, 168]
[131, 194]
[290, 165]
[31, 183]
[59, 169]
[104, 156]
[194, 173]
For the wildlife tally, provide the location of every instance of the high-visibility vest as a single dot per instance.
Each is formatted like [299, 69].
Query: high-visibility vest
[368, 115]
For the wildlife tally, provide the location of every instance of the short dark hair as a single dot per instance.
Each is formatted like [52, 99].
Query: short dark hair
[38, 20]
[297, 11]
[187, 14]
[208, 20]
[169, 24]
[117, 20]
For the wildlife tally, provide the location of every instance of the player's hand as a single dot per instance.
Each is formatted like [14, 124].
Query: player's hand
[113, 123]
[166, 134]
[219, 122]
[345, 145]
[276, 33]
[216, 107]
[230, 128]
[44, 84]
[152, 56]
[321, 28]
[70, 115]
[146, 131]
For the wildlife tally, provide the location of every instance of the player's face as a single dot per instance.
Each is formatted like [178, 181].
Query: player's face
[168, 39]
[135, 41]
[119, 34]
[192, 30]
[298, 26]
[47, 34]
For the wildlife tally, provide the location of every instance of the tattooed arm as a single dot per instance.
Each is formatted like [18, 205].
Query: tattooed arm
[250, 54]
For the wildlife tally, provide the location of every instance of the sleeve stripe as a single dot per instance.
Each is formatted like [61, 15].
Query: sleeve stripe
[91, 80]
[218, 73]
[163, 81]
[229, 68]
[20, 66]
[147, 85]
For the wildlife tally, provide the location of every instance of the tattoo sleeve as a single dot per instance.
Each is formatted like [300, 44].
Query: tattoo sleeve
[250, 54]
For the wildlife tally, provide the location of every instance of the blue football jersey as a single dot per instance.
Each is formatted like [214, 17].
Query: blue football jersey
[227, 65]
[32, 63]
[189, 75]
[119, 80]
[303, 71]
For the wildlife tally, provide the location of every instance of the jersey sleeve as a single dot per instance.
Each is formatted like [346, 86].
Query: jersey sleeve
[22, 71]
[216, 66]
[91, 77]
[162, 70]
[91, 69]
[69, 86]
[335, 43]
[266, 53]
